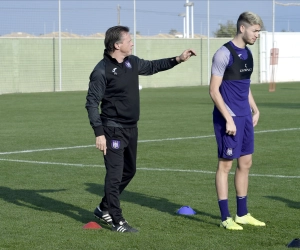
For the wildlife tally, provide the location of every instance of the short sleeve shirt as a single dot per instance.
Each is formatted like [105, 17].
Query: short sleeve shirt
[235, 93]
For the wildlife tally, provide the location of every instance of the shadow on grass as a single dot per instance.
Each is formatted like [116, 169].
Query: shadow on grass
[35, 200]
[153, 202]
[290, 203]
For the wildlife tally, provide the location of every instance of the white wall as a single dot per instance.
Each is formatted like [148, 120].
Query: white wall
[287, 69]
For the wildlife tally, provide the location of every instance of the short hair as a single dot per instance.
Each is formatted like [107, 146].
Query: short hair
[114, 35]
[249, 18]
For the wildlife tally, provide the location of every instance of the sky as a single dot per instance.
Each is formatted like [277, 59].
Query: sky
[152, 17]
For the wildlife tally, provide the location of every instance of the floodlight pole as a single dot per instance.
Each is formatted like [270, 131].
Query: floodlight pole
[134, 28]
[192, 19]
[273, 28]
[272, 56]
[187, 20]
[187, 5]
[59, 44]
[183, 15]
[208, 48]
[118, 9]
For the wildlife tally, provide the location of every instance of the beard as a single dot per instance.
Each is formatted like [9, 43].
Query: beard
[248, 41]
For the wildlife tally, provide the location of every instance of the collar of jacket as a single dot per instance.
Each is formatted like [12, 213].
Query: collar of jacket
[108, 56]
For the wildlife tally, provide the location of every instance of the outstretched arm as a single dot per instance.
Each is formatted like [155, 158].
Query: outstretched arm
[147, 67]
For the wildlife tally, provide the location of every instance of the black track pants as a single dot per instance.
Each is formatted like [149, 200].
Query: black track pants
[120, 163]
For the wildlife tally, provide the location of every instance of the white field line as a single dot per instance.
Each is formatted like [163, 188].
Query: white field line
[53, 163]
[145, 169]
[141, 141]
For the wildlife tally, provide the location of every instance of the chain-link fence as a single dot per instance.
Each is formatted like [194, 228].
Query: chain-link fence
[53, 45]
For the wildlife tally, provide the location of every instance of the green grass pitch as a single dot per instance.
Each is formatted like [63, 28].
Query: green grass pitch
[51, 175]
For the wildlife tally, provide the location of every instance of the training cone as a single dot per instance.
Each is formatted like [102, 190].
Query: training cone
[92, 225]
[294, 243]
[186, 210]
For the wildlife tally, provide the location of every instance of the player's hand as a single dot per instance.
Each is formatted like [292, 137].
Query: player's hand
[101, 143]
[230, 128]
[185, 55]
[255, 118]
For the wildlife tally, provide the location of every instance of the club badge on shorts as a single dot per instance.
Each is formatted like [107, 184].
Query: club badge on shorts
[229, 151]
[115, 144]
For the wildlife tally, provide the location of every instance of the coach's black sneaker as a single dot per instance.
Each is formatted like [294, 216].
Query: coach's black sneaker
[103, 215]
[123, 227]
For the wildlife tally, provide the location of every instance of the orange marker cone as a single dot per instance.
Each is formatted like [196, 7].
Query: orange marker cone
[92, 225]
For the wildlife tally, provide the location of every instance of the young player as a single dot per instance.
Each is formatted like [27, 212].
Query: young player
[234, 116]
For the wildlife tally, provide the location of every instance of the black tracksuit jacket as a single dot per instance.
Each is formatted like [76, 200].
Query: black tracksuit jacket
[116, 86]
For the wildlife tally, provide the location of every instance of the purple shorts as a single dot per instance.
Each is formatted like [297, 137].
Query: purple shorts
[233, 147]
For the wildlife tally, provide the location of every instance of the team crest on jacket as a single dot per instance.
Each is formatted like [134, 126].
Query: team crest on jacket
[229, 152]
[128, 65]
[115, 144]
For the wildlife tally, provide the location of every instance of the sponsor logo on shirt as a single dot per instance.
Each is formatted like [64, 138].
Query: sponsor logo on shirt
[246, 69]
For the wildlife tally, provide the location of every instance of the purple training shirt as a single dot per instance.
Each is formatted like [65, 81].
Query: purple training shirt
[235, 93]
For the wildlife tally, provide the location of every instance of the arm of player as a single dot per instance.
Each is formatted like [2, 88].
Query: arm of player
[255, 111]
[215, 95]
